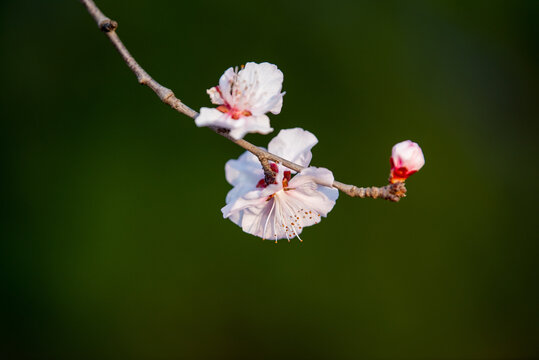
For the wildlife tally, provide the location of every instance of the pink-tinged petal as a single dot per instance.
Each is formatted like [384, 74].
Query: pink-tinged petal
[215, 96]
[294, 145]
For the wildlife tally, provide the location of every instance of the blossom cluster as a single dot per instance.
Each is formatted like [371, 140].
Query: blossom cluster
[280, 209]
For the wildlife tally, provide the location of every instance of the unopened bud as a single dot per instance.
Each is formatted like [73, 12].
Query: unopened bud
[406, 159]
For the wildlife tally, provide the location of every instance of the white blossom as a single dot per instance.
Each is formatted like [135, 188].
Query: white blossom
[283, 209]
[244, 97]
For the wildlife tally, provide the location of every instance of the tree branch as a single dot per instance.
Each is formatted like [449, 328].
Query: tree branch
[392, 192]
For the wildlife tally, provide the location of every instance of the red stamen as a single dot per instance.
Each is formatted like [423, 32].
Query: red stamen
[223, 108]
[287, 175]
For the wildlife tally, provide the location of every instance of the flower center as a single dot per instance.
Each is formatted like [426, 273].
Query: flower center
[233, 112]
[262, 182]
[287, 175]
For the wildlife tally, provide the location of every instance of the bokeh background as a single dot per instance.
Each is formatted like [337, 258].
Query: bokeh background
[113, 244]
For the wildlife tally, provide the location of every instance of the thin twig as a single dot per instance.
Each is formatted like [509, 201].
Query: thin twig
[392, 192]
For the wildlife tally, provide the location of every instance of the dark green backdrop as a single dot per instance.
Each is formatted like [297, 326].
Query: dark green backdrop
[113, 244]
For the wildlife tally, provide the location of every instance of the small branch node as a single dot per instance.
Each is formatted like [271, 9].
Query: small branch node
[221, 131]
[107, 25]
[144, 80]
[360, 191]
[167, 94]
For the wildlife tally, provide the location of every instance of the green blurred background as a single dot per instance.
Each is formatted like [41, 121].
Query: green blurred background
[113, 244]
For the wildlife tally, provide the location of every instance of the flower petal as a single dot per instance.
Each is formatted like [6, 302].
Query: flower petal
[215, 96]
[243, 173]
[225, 84]
[264, 91]
[294, 145]
[253, 124]
[251, 200]
[244, 211]
[211, 117]
[409, 155]
[246, 168]
[313, 186]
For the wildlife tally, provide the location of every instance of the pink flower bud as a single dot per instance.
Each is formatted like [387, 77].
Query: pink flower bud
[406, 159]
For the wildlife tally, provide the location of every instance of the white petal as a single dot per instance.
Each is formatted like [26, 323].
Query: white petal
[330, 192]
[252, 200]
[252, 210]
[262, 92]
[238, 127]
[210, 117]
[311, 199]
[321, 176]
[225, 84]
[213, 117]
[314, 187]
[261, 222]
[294, 145]
[276, 109]
[244, 174]
[238, 133]
[258, 124]
[244, 169]
[252, 124]
[236, 217]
